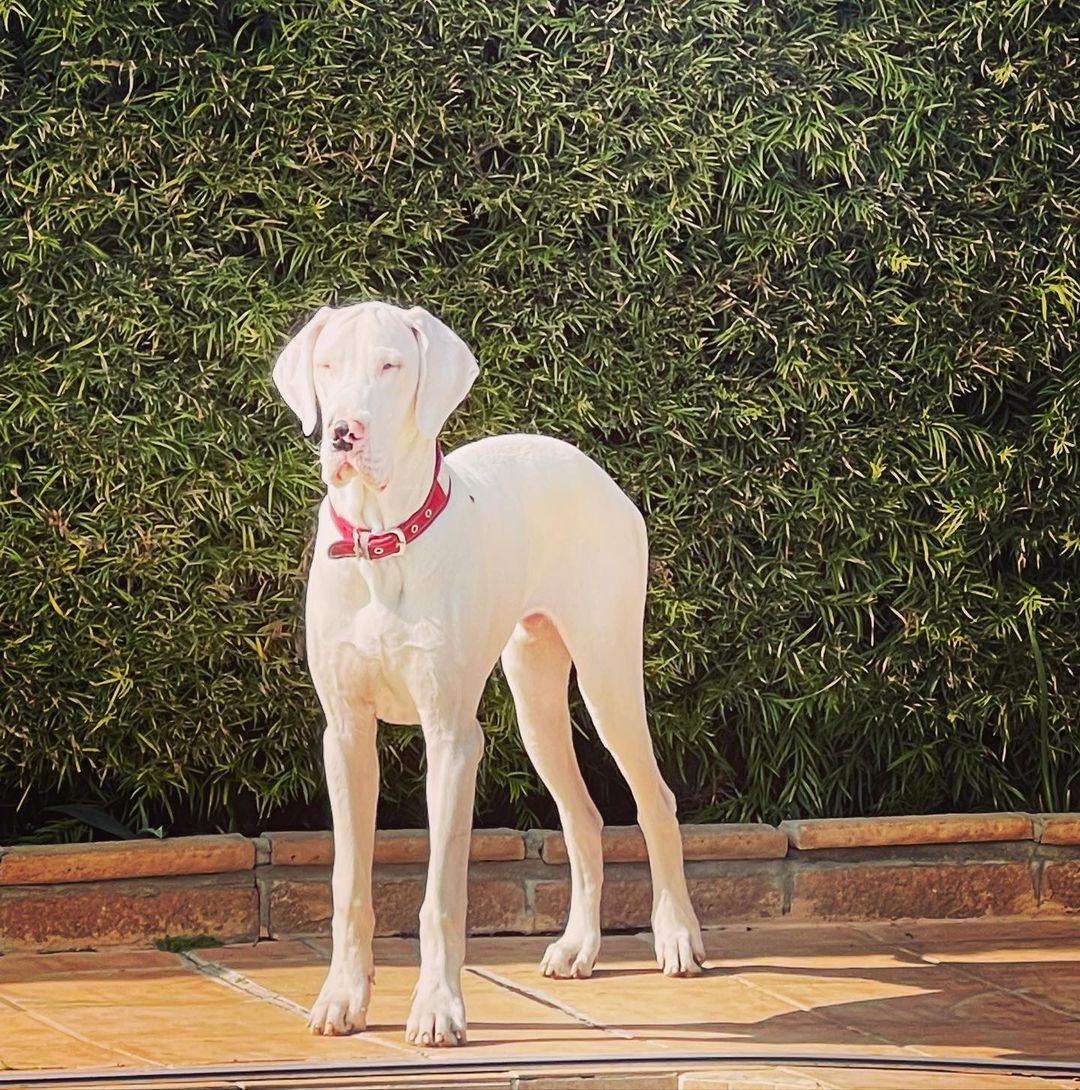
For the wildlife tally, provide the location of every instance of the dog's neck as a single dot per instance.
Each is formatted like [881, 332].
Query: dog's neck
[414, 468]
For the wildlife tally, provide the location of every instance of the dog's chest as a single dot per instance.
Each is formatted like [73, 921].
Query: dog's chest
[389, 647]
[384, 645]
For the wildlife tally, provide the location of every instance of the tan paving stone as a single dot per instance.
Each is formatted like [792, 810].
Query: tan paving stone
[233, 1029]
[962, 1018]
[593, 1078]
[796, 946]
[829, 991]
[498, 1080]
[824, 989]
[899, 991]
[27, 1042]
[721, 1007]
[501, 1022]
[140, 1012]
[1043, 969]
[84, 963]
[1053, 985]
[1001, 988]
[881, 1079]
[753, 1078]
[1014, 939]
[760, 1077]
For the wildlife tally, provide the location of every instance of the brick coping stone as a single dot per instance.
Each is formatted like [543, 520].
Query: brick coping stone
[874, 832]
[316, 849]
[1058, 828]
[227, 853]
[47, 864]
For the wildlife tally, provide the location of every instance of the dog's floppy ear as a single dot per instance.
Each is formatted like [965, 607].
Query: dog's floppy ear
[447, 370]
[294, 372]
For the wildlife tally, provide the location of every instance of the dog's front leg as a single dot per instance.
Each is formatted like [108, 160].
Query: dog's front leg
[352, 779]
[438, 1010]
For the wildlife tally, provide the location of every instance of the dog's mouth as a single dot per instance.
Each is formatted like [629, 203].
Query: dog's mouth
[340, 467]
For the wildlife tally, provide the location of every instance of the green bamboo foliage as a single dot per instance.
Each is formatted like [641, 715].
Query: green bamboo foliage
[803, 277]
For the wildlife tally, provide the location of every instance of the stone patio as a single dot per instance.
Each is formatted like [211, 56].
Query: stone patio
[774, 994]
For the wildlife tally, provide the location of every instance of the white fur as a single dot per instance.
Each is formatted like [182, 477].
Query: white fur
[540, 558]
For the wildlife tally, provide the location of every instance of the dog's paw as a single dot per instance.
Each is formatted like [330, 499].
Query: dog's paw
[677, 938]
[342, 1004]
[571, 957]
[437, 1016]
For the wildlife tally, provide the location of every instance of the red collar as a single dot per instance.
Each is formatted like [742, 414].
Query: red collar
[361, 542]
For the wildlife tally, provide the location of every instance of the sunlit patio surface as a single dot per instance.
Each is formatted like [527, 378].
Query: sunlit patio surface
[806, 1007]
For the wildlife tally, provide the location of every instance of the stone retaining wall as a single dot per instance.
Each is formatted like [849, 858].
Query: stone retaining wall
[60, 897]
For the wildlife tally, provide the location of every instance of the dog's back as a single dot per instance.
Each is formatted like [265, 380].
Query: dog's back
[574, 530]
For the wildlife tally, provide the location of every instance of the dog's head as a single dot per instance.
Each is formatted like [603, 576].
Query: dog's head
[380, 376]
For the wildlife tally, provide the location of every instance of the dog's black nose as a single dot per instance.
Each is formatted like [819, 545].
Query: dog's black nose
[341, 436]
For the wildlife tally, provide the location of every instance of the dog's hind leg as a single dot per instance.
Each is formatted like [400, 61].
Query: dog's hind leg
[606, 649]
[537, 667]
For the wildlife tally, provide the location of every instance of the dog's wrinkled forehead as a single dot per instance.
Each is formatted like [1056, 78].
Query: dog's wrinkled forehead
[364, 333]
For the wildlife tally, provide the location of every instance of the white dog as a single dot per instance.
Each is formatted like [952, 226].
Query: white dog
[425, 571]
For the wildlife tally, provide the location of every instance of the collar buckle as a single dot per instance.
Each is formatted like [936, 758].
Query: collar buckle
[361, 542]
[401, 538]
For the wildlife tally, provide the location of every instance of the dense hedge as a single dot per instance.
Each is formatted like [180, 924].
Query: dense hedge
[802, 276]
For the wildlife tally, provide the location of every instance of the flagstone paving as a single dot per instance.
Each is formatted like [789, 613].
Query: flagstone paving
[1005, 989]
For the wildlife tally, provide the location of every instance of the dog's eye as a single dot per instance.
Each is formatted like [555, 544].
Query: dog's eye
[388, 366]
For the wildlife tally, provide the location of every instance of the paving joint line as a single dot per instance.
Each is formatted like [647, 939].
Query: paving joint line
[961, 969]
[52, 1023]
[882, 940]
[822, 1013]
[230, 978]
[986, 982]
[814, 1012]
[548, 1001]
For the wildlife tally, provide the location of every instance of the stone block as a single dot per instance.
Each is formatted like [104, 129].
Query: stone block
[718, 895]
[301, 903]
[741, 896]
[934, 891]
[625, 843]
[127, 912]
[1060, 886]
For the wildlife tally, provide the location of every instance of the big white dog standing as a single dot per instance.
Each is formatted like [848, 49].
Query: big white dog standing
[425, 571]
